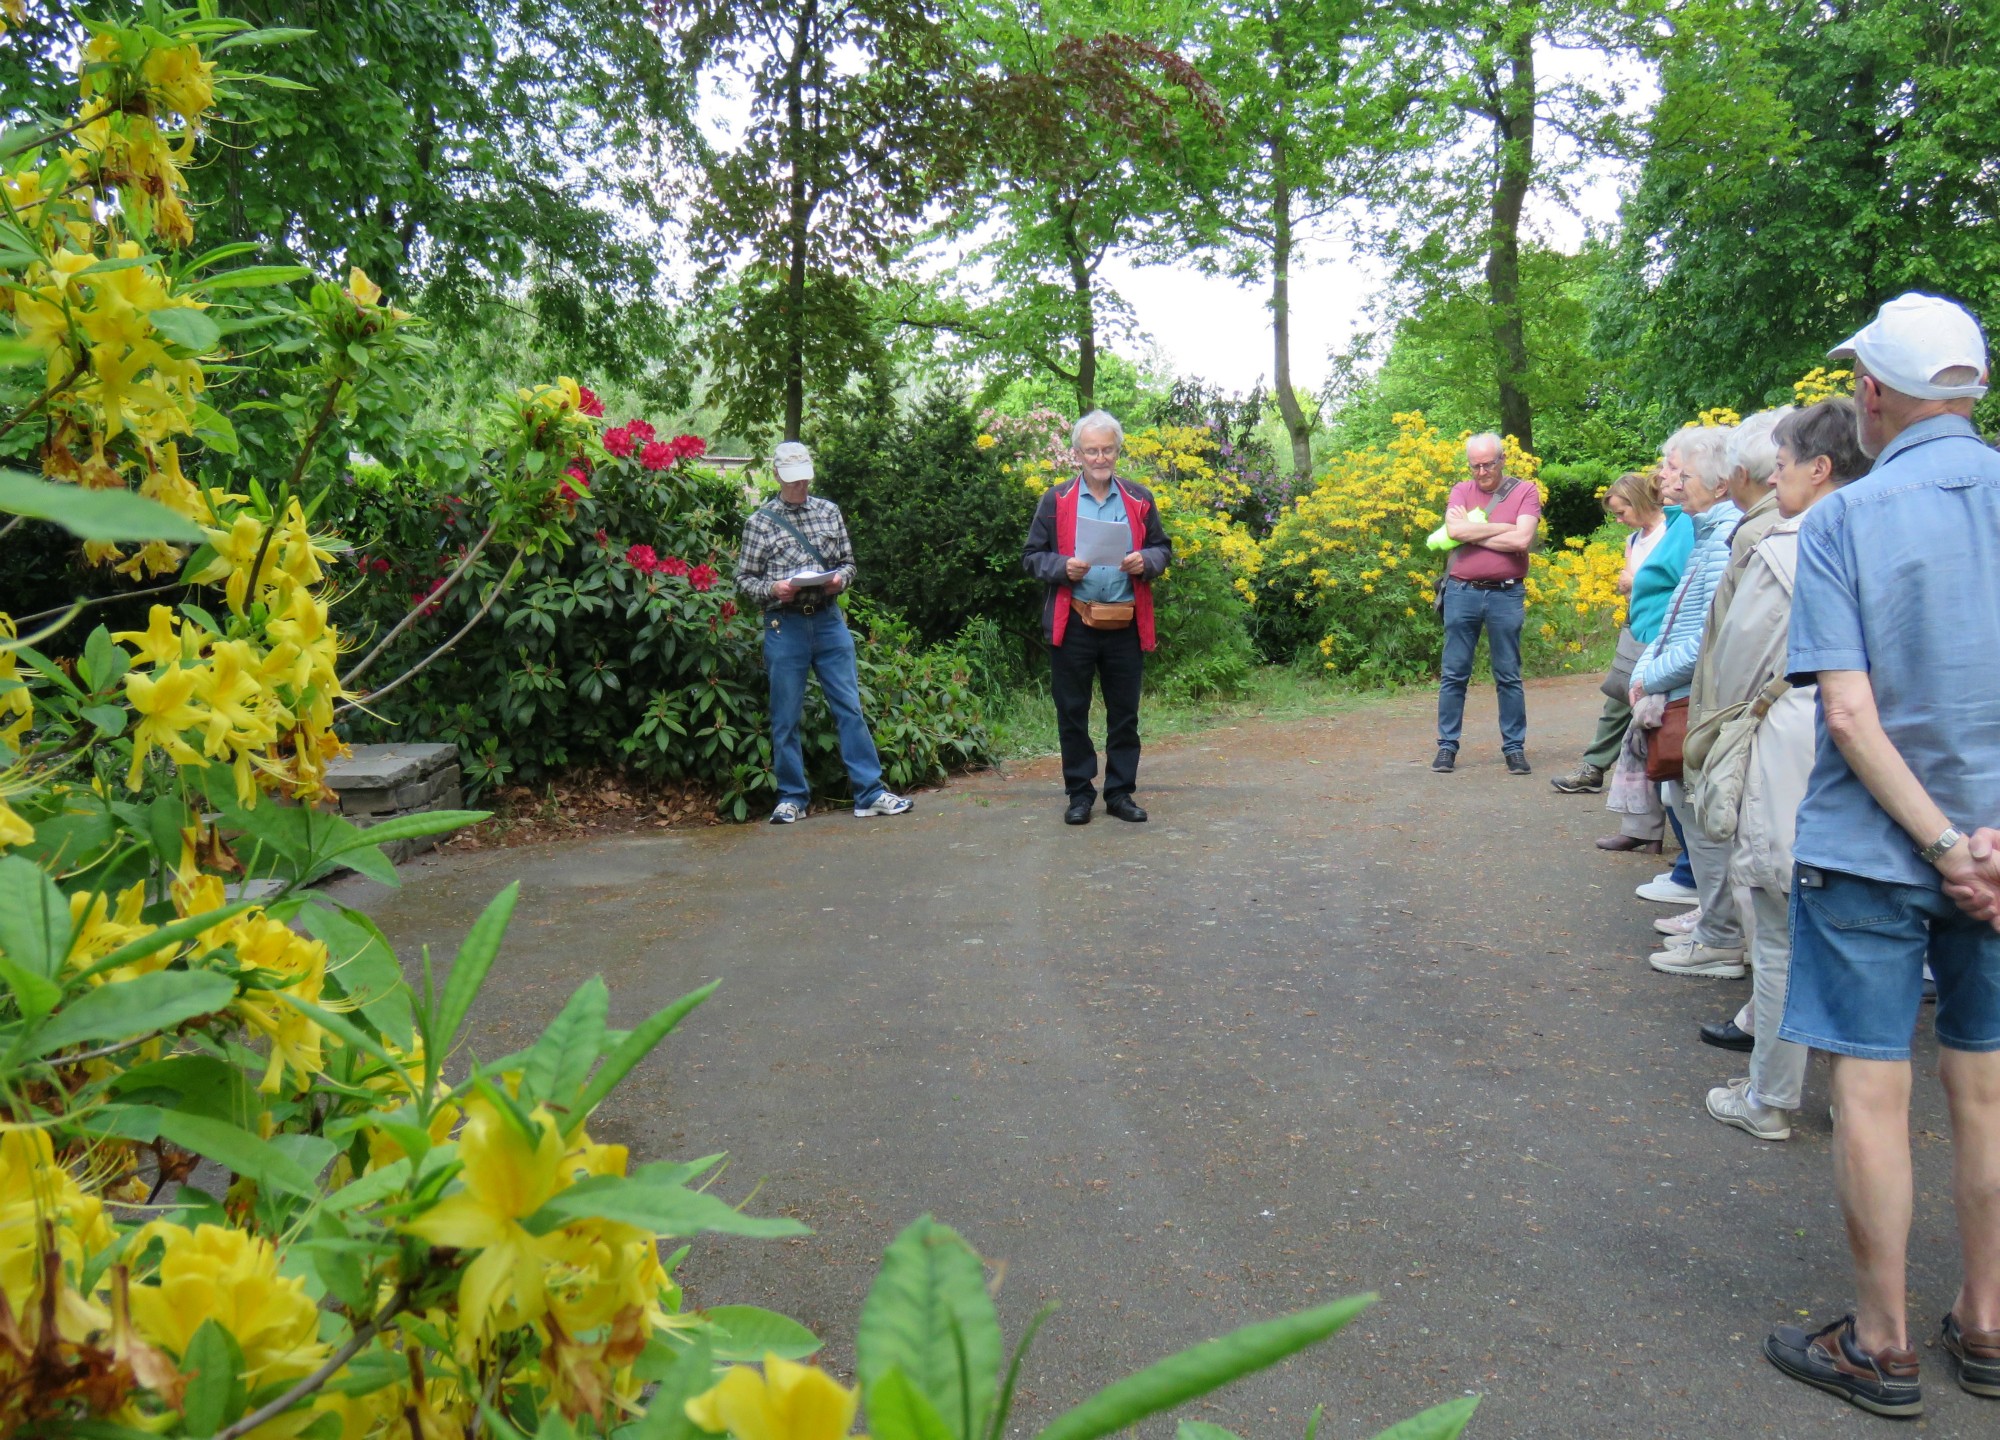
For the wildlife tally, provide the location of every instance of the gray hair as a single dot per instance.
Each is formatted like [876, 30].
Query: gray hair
[1096, 420]
[1753, 445]
[1704, 453]
[1486, 440]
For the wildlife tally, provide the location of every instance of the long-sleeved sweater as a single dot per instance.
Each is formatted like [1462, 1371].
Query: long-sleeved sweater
[1667, 666]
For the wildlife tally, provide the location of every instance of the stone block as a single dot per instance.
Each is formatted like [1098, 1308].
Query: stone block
[384, 767]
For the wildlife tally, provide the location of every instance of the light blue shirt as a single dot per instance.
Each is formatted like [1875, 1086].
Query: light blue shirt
[1102, 584]
[1899, 576]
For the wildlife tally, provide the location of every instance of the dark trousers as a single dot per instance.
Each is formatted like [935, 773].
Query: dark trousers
[1114, 660]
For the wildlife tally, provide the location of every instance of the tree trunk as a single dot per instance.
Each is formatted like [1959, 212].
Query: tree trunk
[797, 224]
[1514, 167]
[1085, 316]
[1296, 423]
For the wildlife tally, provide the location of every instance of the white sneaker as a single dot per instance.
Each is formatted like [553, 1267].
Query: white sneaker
[1682, 924]
[1666, 892]
[1673, 945]
[1699, 960]
[1731, 1105]
[884, 804]
[788, 812]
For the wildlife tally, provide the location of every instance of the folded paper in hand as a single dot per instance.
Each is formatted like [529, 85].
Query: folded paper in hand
[806, 578]
[1102, 542]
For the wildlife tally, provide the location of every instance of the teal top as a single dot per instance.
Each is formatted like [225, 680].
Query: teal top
[1658, 575]
[1102, 584]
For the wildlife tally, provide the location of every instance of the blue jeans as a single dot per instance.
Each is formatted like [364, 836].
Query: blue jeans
[795, 644]
[1858, 951]
[1500, 613]
[1683, 867]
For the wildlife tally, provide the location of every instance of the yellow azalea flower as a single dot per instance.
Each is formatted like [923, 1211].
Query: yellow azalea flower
[13, 829]
[786, 1402]
[39, 1196]
[163, 700]
[235, 552]
[229, 1276]
[160, 643]
[97, 930]
[364, 290]
[506, 1178]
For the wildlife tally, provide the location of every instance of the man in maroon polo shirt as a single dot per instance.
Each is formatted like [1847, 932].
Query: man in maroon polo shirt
[1485, 588]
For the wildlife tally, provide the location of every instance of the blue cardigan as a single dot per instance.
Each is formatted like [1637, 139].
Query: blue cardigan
[1654, 581]
[1667, 667]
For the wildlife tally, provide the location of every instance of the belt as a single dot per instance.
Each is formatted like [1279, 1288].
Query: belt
[804, 607]
[1488, 584]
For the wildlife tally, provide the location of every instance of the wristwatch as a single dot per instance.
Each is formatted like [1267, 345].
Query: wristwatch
[1937, 849]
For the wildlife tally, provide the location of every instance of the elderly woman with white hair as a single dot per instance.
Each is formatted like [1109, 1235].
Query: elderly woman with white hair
[1661, 682]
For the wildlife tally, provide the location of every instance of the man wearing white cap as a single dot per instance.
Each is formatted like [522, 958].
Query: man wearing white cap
[1896, 615]
[796, 559]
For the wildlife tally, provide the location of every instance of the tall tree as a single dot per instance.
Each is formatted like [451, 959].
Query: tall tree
[1497, 101]
[1077, 147]
[1803, 168]
[850, 130]
[1318, 99]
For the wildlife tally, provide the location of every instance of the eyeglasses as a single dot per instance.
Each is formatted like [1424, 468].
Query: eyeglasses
[1484, 464]
[1099, 452]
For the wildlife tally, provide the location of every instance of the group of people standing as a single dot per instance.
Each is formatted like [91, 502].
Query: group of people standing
[1805, 694]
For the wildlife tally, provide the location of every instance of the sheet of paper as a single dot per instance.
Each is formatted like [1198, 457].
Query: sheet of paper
[1102, 542]
[811, 577]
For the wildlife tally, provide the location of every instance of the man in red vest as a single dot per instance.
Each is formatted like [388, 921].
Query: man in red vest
[1098, 618]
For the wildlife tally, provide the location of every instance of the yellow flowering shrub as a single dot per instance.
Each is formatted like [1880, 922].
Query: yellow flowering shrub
[1820, 383]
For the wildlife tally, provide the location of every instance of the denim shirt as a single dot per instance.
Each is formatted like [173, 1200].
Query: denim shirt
[1899, 576]
[1102, 584]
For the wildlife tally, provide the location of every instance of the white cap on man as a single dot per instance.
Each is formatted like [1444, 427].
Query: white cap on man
[1915, 338]
[793, 462]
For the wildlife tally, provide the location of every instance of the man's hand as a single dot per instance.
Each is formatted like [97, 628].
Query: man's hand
[786, 592]
[837, 584]
[1971, 872]
[1455, 522]
[1075, 569]
[1133, 564]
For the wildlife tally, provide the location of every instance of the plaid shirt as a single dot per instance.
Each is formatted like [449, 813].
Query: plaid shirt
[770, 551]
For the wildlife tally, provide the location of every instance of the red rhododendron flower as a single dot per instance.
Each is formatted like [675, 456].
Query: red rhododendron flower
[588, 402]
[657, 455]
[642, 558]
[702, 578]
[418, 597]
[576, 483]
[381, 566]
[602, 537]
[673, 565]
[619, 442]
[729, 609]
[640, 430]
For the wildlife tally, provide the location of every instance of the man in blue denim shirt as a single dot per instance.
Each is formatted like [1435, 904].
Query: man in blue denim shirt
[1896, 615]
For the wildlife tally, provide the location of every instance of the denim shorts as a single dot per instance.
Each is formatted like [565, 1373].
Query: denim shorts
[1858, 953]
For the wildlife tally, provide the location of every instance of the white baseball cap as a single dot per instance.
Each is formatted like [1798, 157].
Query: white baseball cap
[793, 462]
[1911, 339]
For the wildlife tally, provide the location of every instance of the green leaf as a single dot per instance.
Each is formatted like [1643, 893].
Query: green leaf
[34, 917]
[897, 1410]
[215, 428]
[929, 1316]
[1202, 1430]
[468, 971]
[196, 1084]
[634, 1048]
[692, 1372]
[1200, 1369]
[745, 1334]
[277, 35]
[375, 1185]
[663, 1209]
[238, 1149]
[108, 720]
[362, 963]
[559, 1063]
[409, 827]
[188, 328]
[105, 515]
[1440, 1422]
[132, 1007]
[214, 1367]
[35, 995]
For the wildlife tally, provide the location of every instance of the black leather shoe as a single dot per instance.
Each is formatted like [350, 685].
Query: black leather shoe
[1728, 1036]
[1517, 763]
[1125, 808]
[1078, 812]
[1444, 761]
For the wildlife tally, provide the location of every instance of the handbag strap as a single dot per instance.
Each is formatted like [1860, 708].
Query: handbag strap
[797, 534]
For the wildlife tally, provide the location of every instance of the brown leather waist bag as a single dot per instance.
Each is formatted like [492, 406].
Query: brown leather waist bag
[1100, 616]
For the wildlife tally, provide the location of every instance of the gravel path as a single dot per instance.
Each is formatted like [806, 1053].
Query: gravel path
[1329, 1023]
